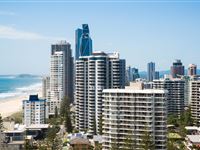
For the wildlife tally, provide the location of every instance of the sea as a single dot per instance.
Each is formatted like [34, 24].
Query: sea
[17, 85]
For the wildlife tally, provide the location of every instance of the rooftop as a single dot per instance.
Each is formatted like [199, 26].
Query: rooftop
[194, 138]
[145, 91]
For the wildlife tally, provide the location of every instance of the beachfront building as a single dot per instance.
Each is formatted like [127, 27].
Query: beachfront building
[130, 113]
[61, 75]
[34, 110]
[176, 96]
[93, 74]
[46, 87]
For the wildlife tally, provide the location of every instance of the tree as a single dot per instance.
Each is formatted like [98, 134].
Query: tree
[68, 124]
[56, 112]
[65, 106]
[147, 142]
[65, 113]
[94, 126]
[57, 143]
[1, 123]
[129, 144]
[51, 134]
[100, 124]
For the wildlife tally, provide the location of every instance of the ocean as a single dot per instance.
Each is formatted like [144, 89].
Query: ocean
[16, 85]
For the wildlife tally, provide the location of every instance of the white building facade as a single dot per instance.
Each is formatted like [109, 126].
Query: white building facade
[56, 81]
[129, 113]
[176, 94]
[93, 74]
[35, 110]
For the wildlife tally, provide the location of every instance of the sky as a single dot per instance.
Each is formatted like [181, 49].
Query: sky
[141, 31]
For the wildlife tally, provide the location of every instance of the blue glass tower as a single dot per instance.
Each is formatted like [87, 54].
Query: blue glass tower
[83, 42]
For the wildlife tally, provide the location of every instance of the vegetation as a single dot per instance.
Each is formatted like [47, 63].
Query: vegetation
[100, 125]
[147, 141]
[53, 141]
[129, 144]
[65, 114]
[17, 117]
[1, 123]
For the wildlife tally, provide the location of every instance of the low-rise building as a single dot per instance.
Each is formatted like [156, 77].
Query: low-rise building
[34, 110]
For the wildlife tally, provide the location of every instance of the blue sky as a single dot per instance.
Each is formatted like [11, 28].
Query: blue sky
[158, 31]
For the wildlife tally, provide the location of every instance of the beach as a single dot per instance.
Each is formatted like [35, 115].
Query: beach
[10, 105]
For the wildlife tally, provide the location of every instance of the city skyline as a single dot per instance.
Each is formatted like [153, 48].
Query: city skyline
[140, 32]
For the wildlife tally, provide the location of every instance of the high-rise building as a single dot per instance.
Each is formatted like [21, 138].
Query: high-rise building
[135, 73]
[46, 88]
[129, 75]
[151, 71]
[130, 113]
[195, 100]
[34, 110]
[157, 75]
[177, 69]
[192, 70]
[61, 75]
[176, 89]
[93, 74]
[83, 42]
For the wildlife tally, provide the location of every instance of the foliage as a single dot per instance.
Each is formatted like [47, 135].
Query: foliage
[100, 125]
[94, 126]
[27, 145]
[1, 123]
[51, 133]
[56, 112]
[17, 117]
[66, 115]
[129, 144]
[65, 106]
[68, 124]
[147, 141]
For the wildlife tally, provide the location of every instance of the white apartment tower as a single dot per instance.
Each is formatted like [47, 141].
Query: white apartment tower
[176, 93]
[46, 87]
[93, 74]
[129, 113]
[56, 80]
[195, 100]
[34, 110]
[61, 75]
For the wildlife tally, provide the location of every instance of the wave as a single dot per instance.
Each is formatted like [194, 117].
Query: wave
[7, 77]
[34, 88]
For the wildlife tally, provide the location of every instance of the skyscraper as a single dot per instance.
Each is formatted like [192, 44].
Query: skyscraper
[192, 70]
[151, 71]
[61, 75]
[129, 113]
[93, 74]
[135, 73]
[177, 69]
[157, 75]
[195, 101]
[83, 42]
[176, 90]
[46, 87]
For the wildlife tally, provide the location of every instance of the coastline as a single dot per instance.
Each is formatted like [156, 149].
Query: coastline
[11, 105]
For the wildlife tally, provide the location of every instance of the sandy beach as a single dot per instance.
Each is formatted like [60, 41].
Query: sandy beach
[8, 106]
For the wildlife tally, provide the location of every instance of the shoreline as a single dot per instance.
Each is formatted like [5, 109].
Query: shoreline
[11, 105]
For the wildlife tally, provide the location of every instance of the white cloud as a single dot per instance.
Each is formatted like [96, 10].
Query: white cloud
[8, 32]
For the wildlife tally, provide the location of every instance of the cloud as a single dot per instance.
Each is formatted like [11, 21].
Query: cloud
[7, 13]
[8, 32]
